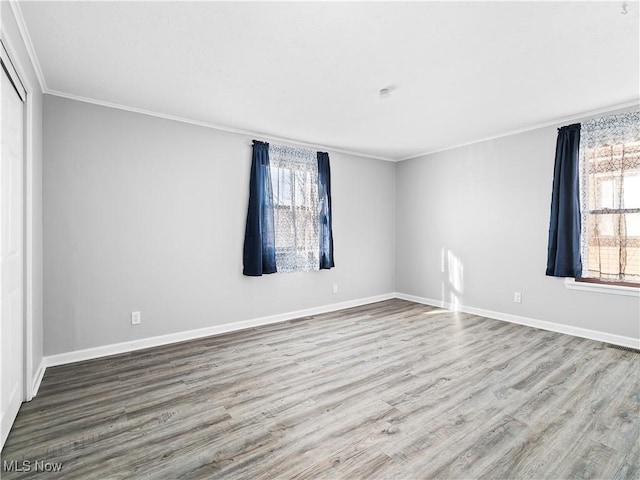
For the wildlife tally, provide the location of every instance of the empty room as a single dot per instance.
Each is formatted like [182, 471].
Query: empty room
[346, 240]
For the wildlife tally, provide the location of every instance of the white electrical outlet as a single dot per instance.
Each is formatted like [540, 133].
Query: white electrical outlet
[335, 288]
[135, 318]
[517, 297]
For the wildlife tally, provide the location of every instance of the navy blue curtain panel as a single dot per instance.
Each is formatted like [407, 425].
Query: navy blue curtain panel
[326, 230]
[259, 254]
[563, 253]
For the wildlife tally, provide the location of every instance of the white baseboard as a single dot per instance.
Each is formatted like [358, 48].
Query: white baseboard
[37, 379]
[529, 322]
[116, 348]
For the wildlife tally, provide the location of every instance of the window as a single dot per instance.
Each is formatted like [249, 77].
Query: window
[289, 220]
[296, 209]
[610, 198]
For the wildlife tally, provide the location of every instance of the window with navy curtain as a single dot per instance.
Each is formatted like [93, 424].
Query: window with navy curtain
[289, 224]
[563, 253]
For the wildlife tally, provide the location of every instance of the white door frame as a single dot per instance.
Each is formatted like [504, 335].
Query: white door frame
[28, 374]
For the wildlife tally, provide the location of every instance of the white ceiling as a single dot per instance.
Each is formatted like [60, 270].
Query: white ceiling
[311, 72]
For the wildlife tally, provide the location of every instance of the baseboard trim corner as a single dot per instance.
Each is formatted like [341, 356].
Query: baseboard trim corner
[529, 322]
[133, 345]
[37, 378]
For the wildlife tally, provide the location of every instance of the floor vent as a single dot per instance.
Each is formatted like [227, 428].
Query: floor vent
[626, 349]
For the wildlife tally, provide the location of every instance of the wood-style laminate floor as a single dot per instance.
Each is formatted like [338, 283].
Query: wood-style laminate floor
[389, 390]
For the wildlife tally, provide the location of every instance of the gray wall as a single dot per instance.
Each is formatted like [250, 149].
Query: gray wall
[35, 146]
[472, 226]
[147, 214]
[142, 213]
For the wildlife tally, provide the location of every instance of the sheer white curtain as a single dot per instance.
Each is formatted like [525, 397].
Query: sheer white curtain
[610, 194]
[294, 177]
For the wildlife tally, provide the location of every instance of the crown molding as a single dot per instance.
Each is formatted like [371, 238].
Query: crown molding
[26, 39]
[582, 116]
[214, 126]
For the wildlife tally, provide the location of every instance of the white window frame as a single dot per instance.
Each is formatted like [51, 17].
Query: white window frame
[573, 284]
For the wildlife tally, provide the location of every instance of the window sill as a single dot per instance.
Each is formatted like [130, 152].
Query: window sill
[571, 284]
